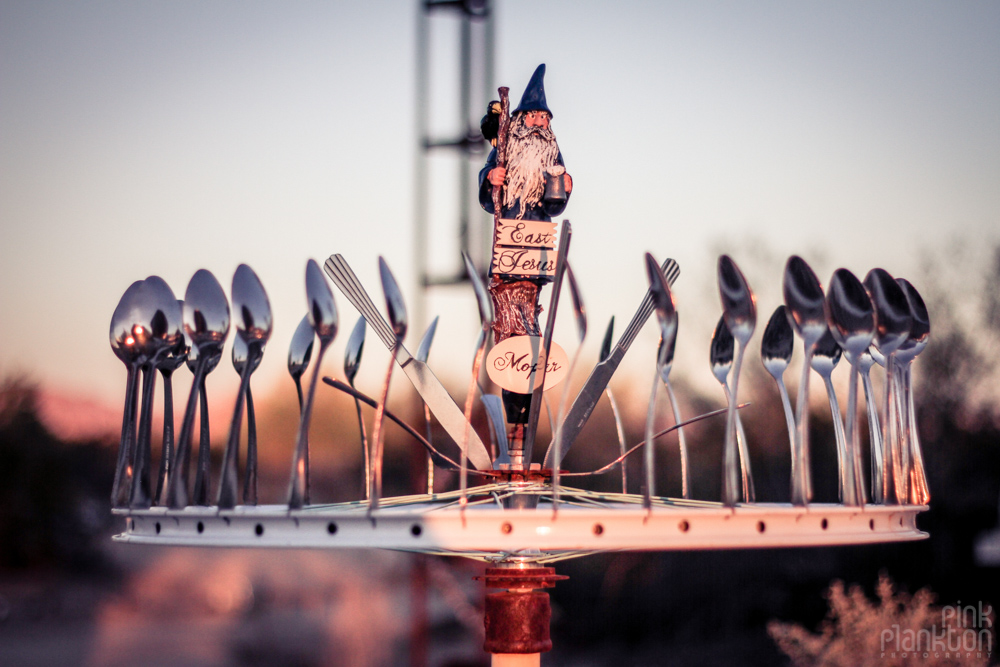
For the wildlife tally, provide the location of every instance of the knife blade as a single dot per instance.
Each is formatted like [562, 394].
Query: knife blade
[586, 400]
[431, 390]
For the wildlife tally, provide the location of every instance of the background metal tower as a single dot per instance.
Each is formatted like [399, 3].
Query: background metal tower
[454, 82]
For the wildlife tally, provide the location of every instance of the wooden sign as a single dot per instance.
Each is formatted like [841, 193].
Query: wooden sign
[513, 364]
[524, 249]
[526, 234]
[524, 262]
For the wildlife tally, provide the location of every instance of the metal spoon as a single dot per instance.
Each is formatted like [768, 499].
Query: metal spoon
[396, 311]
[776, 353]
[206, 323]
[739, 309]
[668, 360]
[865, 362]
[158, 332]
[851, 316]
[894, 321]
[253, 325]
[167, 364]
[666, 317]
[916, 342]
[240, 358]
[123, 345]
[423, 352]
[324, 320]
[352, 362]
[806, 311]
[721, 360]
[299, 354]
[485, 304]
[826, 356]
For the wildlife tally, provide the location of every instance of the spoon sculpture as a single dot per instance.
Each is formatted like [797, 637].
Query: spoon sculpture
[123, 345]
[721, 360]
[240, 358]
[739, 309]
[485, 304]
[666, 317]
[851, 316]
[865, 361]
[206, 323]
[805, 305]
[915, 343]
[619, 427]
[202, 479]
[167, 364]
[826, 356]
[299, 354]
[580, 316]
[352, 362]
[423, 353]
[892, 312]
[668, 361]
[253, 325]
[324, 320]
[776, 353]
[396, 311]
[158, 332]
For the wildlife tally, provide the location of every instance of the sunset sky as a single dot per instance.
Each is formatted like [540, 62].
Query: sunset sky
[141, 138]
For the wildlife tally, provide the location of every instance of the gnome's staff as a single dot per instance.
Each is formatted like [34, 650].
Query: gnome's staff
[501, 146]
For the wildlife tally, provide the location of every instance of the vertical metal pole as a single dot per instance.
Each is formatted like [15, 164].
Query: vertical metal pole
[420, 168]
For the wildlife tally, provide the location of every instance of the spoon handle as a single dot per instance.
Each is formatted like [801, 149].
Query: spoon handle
[298, 486]
[648, 480]
[921, 492]
[801, 471]
[229, 481]
[118, 496]
[681, 441]
[250, 481]
[203, 476]
[847, 490]
[620, 429]
[140, 497]
[168, 436]
[177, 485]
[365, 455]
[874, 438]
[854, 435]
[798, 495]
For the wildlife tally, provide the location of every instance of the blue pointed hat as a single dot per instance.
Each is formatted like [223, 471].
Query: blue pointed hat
[533, 98]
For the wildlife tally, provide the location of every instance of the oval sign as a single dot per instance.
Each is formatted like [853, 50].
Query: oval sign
[512, 364]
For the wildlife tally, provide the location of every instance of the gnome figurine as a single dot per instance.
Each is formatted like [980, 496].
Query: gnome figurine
[525, 177]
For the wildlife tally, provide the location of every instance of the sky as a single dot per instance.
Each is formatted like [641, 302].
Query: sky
[163, 137]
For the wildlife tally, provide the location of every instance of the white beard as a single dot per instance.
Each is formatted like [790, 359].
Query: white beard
[529, 151]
